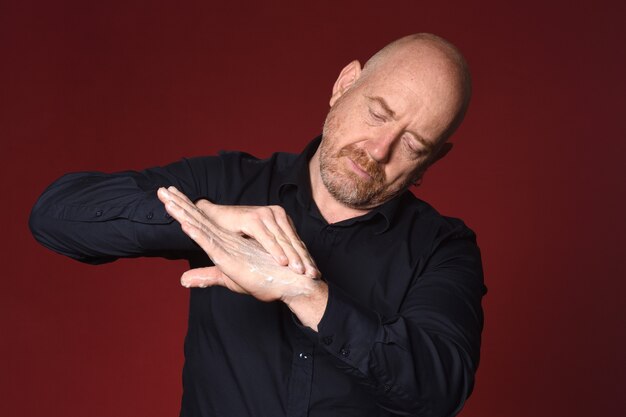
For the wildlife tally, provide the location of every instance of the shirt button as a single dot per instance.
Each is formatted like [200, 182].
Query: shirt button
[149, 215]
[303, 356]
[345, 352]
[98, 213]
[327, 340]
[387, 388]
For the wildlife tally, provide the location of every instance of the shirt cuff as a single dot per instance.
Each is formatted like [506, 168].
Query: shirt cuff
[348, 330]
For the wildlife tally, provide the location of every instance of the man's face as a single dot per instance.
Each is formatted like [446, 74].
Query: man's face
[381, 135]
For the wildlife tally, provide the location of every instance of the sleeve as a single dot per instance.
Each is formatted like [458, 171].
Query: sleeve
[422, 361]
[96, 218]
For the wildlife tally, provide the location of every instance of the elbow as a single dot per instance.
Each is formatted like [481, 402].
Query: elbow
[448, 381]
[42, 217]
[38, 224]
[42, 227]
[437, 400]
[71, 235]
[437, 385]
[449, 401]
[451, 385]
[57, 235]
[435, 397]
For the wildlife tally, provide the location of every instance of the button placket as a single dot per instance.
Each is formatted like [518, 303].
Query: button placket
[301, 377]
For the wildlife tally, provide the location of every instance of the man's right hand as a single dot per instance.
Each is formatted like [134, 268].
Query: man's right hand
[268, 225]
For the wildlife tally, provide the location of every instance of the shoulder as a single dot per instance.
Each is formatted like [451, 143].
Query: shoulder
[442, 243]
[244, 178]
[249, 162]
[424, 223]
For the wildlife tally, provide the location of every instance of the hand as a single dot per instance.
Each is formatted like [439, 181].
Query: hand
[241, 265]
[268, 225]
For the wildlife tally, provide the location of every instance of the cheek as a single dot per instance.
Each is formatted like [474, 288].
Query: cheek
[345, 127]
[400, 175]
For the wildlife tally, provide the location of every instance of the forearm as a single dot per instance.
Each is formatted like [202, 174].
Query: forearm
[410, 366]
[95, 217]
[419, 359]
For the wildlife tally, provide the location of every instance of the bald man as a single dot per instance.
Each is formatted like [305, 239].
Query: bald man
[319, 285]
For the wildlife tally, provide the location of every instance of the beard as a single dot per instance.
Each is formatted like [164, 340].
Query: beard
[346, 186]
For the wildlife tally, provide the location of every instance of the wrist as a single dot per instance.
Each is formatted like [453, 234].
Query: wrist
[309, 306]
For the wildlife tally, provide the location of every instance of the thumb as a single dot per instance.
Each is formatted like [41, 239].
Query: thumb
[203, 277]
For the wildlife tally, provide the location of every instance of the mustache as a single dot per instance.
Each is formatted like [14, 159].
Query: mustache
[360, 157]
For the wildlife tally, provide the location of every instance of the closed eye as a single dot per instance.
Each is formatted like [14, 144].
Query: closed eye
[413, 147]
[377, 116]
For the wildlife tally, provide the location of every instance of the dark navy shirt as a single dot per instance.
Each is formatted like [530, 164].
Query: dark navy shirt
[400, 334]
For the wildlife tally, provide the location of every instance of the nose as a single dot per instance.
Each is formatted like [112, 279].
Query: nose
[379, 148]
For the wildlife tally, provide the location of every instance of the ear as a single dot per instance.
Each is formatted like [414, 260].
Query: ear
[348, 76]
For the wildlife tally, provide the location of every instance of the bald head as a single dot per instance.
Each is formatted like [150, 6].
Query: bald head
[427, 55]
[390, 120]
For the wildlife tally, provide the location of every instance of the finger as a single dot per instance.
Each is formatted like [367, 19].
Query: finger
[207, 277]
[204, 238]
[267, 239]
[179, 213]
[286, 224]
[172, 194]
[280, 237]
[202, 277]
[175, 191]
[163, 195]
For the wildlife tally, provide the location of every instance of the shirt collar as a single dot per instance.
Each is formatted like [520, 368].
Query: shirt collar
[299, 177]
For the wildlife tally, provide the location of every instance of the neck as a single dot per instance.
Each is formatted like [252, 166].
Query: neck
[332, 210]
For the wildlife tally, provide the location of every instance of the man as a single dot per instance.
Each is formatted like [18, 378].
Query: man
[321, 286]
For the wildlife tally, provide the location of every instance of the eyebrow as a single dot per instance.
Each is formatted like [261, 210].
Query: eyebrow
[427, 145]
[384, 105]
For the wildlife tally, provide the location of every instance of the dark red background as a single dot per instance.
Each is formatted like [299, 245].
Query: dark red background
[538, 172]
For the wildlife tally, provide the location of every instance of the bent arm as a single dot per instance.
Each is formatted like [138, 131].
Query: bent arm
[96, 218]
[422, 361]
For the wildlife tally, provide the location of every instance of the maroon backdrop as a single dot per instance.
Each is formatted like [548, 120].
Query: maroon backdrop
[538, 172]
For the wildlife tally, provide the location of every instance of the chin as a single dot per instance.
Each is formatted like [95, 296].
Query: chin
[354, 193]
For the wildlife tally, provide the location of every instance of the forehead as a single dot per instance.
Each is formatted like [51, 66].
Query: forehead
[421, 90]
